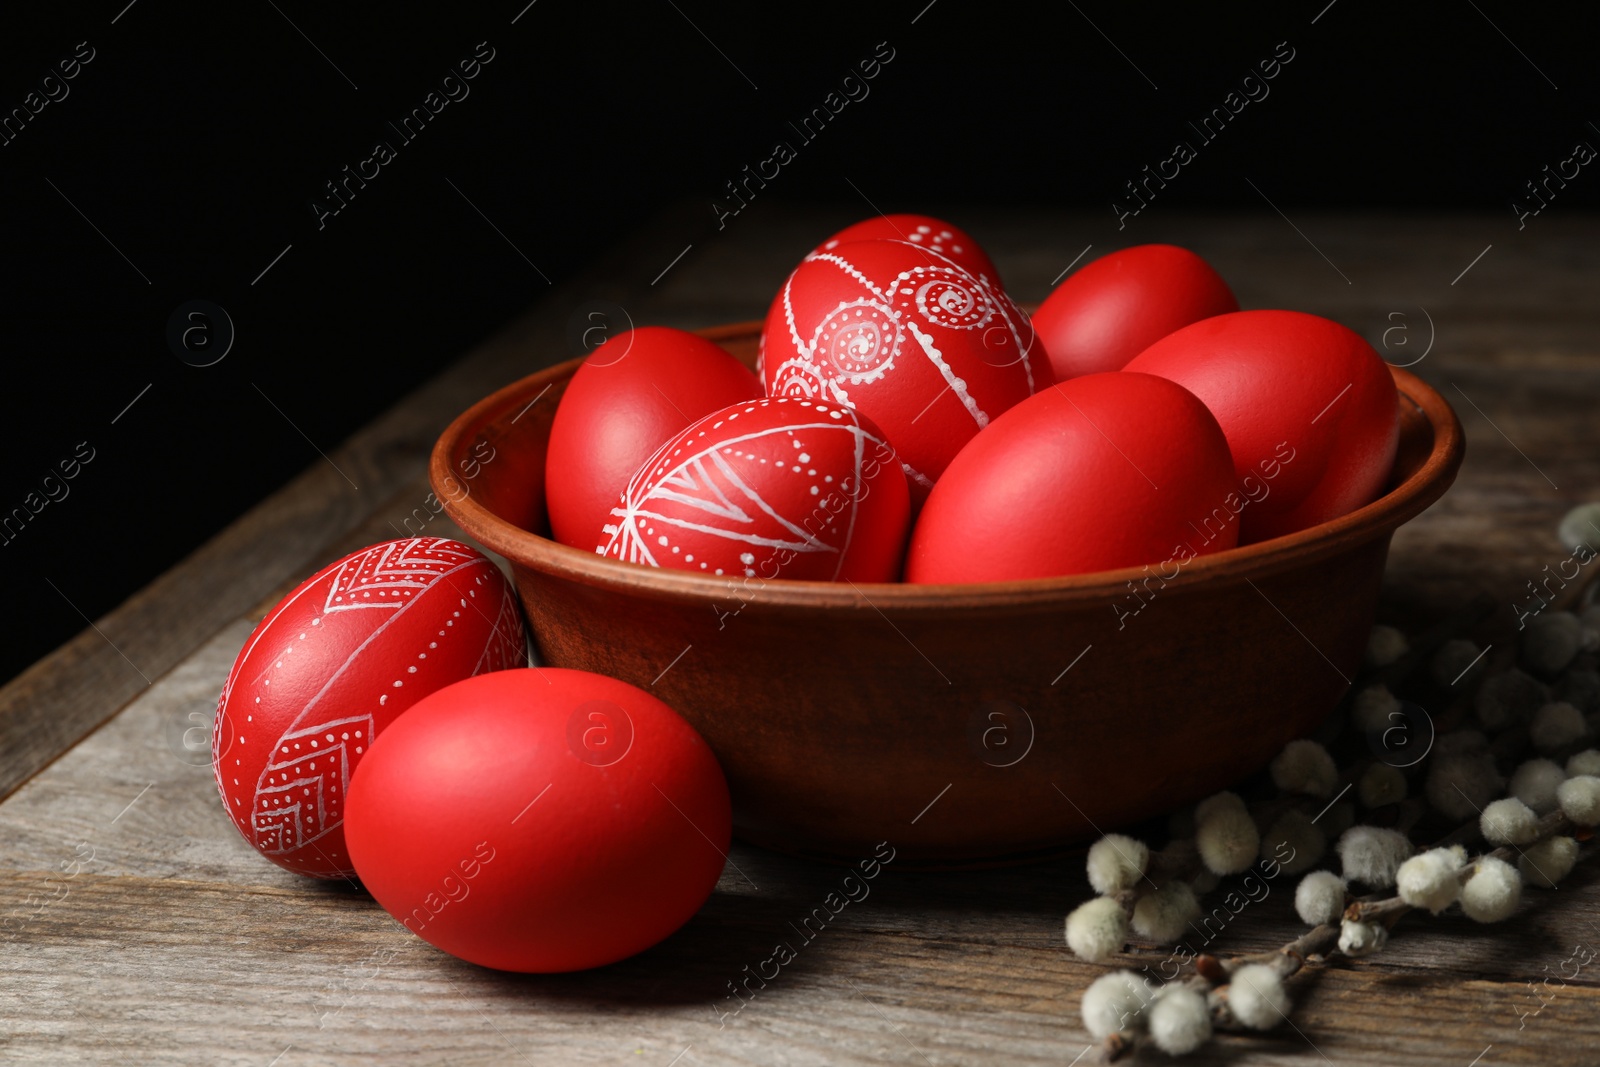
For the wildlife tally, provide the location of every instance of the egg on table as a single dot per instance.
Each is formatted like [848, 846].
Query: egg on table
[331, 667]
[540, 820]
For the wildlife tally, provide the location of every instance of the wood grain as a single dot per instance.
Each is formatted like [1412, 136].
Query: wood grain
[137, 925]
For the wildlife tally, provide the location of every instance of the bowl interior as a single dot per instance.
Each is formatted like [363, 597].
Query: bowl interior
[503, 505]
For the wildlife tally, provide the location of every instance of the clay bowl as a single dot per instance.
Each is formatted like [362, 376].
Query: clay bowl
[964, 724]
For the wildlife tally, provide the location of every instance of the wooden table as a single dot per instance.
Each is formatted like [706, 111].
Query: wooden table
[140, 927]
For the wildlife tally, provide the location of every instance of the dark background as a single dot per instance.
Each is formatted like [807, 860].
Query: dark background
[199, 134]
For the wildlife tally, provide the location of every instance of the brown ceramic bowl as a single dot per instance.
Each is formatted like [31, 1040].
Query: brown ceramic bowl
[963, 724]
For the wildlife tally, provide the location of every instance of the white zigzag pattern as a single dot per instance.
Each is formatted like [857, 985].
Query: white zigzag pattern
[413, 564]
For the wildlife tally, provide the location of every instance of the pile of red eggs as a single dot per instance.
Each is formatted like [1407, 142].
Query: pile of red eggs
[908, 421]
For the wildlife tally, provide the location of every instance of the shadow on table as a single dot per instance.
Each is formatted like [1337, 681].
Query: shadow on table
[777, 922]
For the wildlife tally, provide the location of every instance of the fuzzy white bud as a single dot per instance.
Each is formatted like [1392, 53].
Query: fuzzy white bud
[1461, 783]
[1215, 803]
[1381, 784]
[1320, 898]
[1432, 879]
[1257, 996]
[1585, 762]
[1304, 766]
[1117, 862]
[1535, 783]
[1097, 929]
[1180, 1021]
[1458, 662]
[1227, 840]
[1295, 836]
[1508, 822]
[1557, 725]
[1551, 641]
[1491, 894]
[1509, 698]
[1165, 914]
[1580, 527]
[1114, 1004]
[1362, 938]
[1385, 644]
[1372, 855]
[1374, 710]
[1547, 862]
[1580, 799]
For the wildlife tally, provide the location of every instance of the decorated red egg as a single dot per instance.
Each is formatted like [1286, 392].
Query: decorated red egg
[1309, 408]
[777, 488]
[1117, 306]
[630, 396]
[1101, 472]
[925, 231]
[540, 820]
[927, 350]
[331, 667]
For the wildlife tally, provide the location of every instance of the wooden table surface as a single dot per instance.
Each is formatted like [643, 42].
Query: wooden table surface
[139, 927]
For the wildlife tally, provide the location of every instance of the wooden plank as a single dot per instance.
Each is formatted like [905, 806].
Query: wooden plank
[222, 973]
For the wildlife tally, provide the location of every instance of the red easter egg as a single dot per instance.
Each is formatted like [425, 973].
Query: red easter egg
[631, 395]
[780, 488]
[1310, 410]
[331, 667]
[540, 820]
[922, 347]
[925, 231]
[1104, 471]
[1112, 309]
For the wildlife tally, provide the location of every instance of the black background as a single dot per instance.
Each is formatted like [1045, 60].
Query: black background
[199, 134]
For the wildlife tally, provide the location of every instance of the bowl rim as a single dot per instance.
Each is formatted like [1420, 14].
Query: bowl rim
[1237, 565]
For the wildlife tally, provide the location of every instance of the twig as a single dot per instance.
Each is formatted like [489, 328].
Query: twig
[1389, 910]
[1286, 960]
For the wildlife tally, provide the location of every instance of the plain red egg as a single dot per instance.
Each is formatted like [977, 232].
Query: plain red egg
[540, 820]
[631, 395]
[1104, 471]
[925, 231]
[926, 350]
[332, 667]
[1310, 410]
[780, 488]
[1112, 309]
